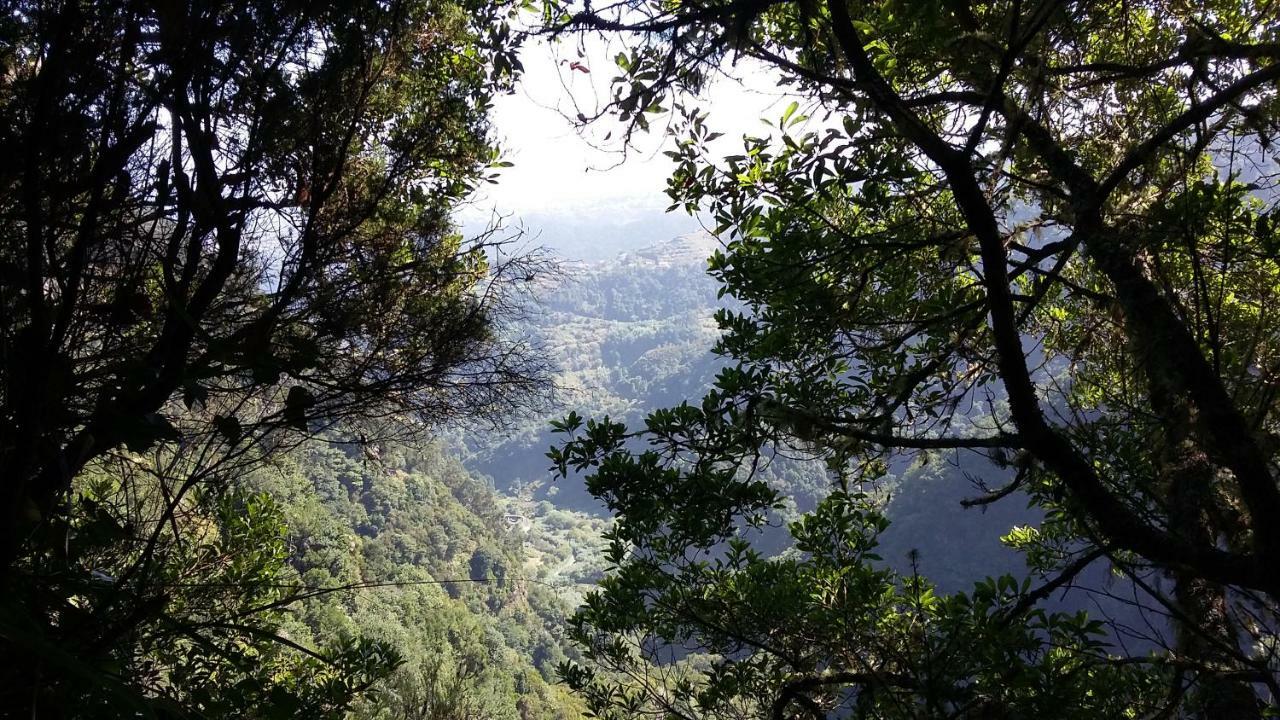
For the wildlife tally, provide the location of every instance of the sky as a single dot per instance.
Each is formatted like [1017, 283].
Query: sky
[570, 173]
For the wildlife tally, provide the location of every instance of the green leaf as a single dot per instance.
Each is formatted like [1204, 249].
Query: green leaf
[791, 110]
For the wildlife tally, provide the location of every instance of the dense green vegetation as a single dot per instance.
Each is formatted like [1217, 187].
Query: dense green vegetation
[224, 227]
[1016, 231]
[965, 408]
[420, 556]
[624, 335]
[389, 583]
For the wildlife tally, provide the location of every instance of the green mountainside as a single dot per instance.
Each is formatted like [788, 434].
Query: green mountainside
[627, 334]
[635, 333]
[471, 585]
[422, 556]
[469, 567]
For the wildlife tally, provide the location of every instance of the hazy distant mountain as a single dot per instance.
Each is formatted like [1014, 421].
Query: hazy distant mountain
[634, 332]
[600, 234]
[628, 334]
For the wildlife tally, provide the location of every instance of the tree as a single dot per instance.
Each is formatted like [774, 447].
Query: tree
[245, 207]
[825, 631]
[225, 227]
[1061, 210]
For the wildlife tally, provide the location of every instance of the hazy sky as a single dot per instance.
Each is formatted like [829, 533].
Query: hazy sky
[563, 171]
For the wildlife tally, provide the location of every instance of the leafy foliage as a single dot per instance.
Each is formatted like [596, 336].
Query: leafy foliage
[225, 226]
[402, 547]
[822, 629]
[1061, 211]
[176, 611]
[245, 208]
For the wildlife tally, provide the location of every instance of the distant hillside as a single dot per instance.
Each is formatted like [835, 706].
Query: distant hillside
[598, 236]
[633, 333]
[628, 334]
[423, 556]
[690, 250]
